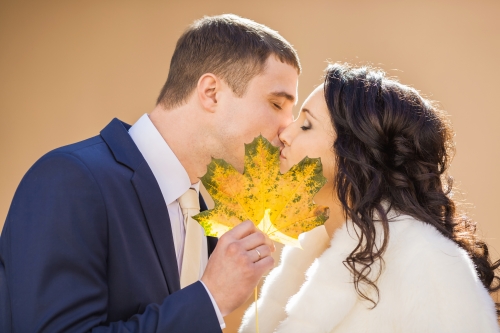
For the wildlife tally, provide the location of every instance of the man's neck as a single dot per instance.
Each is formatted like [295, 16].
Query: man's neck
[181, 129]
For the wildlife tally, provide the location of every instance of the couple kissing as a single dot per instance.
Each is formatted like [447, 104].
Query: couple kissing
[99, 236]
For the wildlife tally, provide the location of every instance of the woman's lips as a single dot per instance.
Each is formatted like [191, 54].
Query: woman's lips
[281, 154]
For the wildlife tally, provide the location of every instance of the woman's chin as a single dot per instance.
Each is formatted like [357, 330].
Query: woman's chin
[283, 165]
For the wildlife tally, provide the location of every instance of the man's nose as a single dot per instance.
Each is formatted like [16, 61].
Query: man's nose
[286, 120]
[284, 135]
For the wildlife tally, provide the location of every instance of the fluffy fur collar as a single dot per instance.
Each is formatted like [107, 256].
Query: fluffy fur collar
[428, 284]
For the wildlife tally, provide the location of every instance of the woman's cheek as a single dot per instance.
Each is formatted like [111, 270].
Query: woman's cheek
[329, 165]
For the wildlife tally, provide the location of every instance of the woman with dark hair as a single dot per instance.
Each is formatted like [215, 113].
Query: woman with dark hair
[397, 255]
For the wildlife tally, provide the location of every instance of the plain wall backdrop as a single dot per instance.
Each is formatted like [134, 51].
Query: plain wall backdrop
[68, 68]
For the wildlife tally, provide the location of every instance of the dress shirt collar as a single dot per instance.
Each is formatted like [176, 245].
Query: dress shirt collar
[166, 167]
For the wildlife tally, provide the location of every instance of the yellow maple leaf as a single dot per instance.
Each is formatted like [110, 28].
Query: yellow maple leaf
[281, 205]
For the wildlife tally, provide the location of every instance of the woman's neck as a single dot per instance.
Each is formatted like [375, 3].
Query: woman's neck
[336, 219]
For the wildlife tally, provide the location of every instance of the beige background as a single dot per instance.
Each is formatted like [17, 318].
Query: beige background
[68, 67]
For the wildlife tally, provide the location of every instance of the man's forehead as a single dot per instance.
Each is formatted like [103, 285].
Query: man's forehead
[279, 80]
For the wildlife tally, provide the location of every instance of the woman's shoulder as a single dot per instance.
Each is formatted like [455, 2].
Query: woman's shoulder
[418, 254]
[415, 250]
[434, 272]
[408, 238]
[417, 239]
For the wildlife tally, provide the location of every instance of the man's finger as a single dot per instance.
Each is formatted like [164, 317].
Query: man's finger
[254, 240]
[259, 253]
[264, 265]
[242, 230]
[270, 243]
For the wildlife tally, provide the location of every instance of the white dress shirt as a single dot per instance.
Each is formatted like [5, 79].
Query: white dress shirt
[173, 181]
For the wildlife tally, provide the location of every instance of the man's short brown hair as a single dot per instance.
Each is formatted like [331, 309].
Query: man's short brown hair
[231, 47]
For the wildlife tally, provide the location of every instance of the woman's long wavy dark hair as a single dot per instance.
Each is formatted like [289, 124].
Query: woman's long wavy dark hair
[394, 146]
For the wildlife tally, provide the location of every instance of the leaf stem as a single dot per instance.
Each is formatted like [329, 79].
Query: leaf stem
[256, 312]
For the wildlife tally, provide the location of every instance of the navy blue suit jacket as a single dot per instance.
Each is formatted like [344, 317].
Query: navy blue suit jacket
[87, 247]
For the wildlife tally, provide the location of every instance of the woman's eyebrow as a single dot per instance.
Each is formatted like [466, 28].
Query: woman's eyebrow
[308, 111]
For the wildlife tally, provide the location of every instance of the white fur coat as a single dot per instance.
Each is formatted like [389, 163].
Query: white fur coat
[428, 284]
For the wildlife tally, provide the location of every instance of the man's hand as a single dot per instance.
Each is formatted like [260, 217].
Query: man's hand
[242, 256]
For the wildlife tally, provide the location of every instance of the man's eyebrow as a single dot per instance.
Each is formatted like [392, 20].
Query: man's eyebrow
[283, 94]
[308, 111]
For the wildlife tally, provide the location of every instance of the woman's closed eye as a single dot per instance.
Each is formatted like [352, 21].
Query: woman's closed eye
[306, 126]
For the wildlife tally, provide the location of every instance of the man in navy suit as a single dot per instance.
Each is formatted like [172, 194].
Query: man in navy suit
[95, 238]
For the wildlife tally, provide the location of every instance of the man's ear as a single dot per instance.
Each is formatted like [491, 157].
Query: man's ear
[207, 89]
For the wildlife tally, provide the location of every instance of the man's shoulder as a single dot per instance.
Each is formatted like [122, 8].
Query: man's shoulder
[92, 154]
[90, 151]
[80, 148]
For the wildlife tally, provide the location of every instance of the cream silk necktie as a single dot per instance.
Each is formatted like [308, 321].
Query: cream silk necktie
[195, 255]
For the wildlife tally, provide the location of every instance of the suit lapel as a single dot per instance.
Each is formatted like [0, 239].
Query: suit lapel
[155, 210]
[158, 220]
